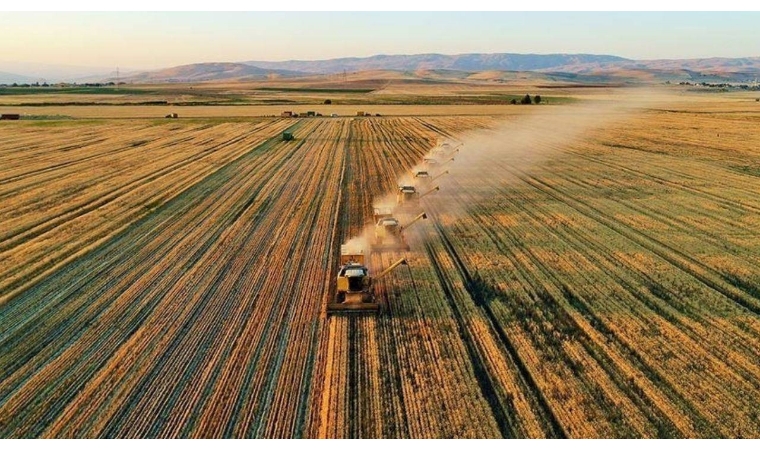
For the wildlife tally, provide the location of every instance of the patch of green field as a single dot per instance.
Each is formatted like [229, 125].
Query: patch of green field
[52, 121]
[488, 99]
[318, 90]
[106, 90]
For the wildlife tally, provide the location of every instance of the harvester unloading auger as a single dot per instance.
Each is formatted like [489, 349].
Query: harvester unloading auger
[445, 172]
[389, 233]
[354, 292]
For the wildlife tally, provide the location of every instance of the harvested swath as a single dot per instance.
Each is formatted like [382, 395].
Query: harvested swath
[52, 216]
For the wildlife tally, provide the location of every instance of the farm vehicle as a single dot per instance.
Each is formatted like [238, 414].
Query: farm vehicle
[354, 292]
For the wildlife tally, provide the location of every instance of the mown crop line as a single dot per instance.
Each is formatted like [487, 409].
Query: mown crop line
[728, 202]
[153, 213]
[500, 411]
[44, 225]
[655, 287]
[123, 147]
[497, 240]
[124, 151]
[539, 207]
[665, 251]
[146, 219]
[694, 414]
[526, 377]
[232, 215]
[153, 176]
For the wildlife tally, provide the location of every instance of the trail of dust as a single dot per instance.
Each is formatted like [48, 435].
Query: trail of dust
[524, 143]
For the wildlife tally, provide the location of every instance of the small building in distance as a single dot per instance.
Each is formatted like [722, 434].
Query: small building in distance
[287, 114]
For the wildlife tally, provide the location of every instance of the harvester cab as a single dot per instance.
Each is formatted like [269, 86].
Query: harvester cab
[354, 284]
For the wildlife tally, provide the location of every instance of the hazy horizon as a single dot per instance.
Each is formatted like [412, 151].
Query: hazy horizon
[148, 41]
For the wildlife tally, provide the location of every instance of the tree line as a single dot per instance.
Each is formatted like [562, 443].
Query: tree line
[527, 100]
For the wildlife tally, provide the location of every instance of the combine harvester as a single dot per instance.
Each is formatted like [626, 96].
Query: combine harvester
[430, 162]
[408, 195]
[354, 292]
[389, 234]
[424, 178]
[445, 149]
[421, 175]
[442, 154]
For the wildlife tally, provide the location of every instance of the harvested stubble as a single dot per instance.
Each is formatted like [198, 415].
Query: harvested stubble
[169, 280]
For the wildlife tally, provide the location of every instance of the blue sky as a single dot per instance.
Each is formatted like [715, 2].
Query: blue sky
[155, 40]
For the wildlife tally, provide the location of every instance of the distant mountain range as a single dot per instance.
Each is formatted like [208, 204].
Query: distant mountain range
[26, 72]
[581, 67]
[565, 66]
[471, 62]
[10, 78]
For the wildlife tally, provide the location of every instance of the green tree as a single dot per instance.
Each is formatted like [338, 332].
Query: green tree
[537, 99]
[526, 100]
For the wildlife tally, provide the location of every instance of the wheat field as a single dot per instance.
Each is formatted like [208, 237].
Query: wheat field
[582, 273]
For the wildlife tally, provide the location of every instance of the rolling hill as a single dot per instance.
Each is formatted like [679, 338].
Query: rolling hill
[209, 72]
